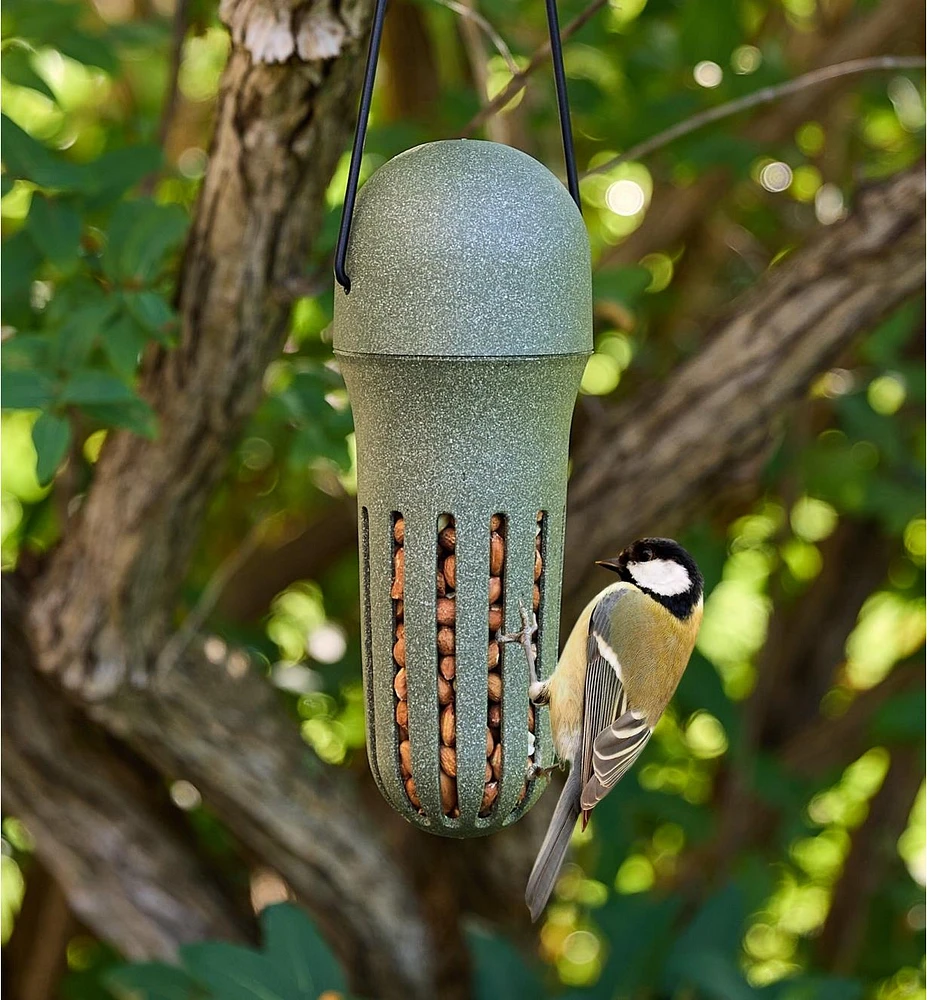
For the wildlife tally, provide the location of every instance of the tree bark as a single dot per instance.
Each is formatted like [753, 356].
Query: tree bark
[125, 867]
[648, 463]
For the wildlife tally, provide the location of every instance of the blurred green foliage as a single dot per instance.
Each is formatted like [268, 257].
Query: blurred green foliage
[94, 212]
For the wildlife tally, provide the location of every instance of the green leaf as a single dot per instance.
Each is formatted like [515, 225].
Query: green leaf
[134, 415]
[24, 390]
[18, 263]
[117, 171]
[235, 973]
[151, 981]
[152, 312]
[623, 284]
[76, 337]
[899, 720]
[123, 341]
[91, 387]
[27, 351]
[55, 229]
[51, 436]
[27, 158]
[140, 235]
[499, 971]
[91, 50]
[298, 951]
[16, 66]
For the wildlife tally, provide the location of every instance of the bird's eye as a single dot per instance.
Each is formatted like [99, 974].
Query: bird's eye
[647, 554]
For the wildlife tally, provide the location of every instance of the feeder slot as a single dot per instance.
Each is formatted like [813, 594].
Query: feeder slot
[446, 621]
[517, 566]
[367, 633]
[472, 636]
[421, 651]
[495, 687]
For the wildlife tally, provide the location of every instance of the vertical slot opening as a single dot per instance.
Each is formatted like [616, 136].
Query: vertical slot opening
[537, 604]
[498, 541]
[368, 627]
[446, 624]
[400, 681]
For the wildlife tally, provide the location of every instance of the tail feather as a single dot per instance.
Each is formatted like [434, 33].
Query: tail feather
[553, 850]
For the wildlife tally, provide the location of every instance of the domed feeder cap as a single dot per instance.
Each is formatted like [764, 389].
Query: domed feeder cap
[464, 248]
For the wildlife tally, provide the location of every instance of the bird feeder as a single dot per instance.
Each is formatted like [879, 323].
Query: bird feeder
[462, 336]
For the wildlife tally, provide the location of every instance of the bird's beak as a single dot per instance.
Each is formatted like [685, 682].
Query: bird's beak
[615, 565]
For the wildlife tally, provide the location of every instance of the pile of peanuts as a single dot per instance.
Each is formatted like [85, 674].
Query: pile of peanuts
[446, 581]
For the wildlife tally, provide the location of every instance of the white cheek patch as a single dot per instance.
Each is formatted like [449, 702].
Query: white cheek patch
[663, 576]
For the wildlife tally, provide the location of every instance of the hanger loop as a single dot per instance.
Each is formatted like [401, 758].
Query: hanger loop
[363, 115]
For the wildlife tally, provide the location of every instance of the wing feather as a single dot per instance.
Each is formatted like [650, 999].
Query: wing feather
[613, 734]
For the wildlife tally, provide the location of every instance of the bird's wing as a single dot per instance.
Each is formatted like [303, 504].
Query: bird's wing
[613, 734]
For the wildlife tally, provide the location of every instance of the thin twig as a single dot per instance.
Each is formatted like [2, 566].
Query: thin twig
[178, 643]
[486, 27]
[520, 80]
[765, 96]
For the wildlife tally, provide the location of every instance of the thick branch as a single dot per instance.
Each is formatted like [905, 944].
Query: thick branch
[220, 726]
[127, 871]
[649, 463]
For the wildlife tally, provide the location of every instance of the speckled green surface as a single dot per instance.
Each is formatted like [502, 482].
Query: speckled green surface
[462, 391]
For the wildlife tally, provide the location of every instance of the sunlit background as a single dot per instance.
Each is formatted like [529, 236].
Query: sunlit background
[84, 89]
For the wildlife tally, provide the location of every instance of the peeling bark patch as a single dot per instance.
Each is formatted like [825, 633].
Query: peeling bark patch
[273, 31]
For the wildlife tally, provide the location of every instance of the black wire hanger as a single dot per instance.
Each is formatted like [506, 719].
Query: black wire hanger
[363, 114]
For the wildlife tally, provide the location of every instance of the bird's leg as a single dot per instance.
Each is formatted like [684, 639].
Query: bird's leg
[536, 771]
[537, 689]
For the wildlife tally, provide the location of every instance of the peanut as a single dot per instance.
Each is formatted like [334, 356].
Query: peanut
[405, 757]
[410, 791]
[496, 554]
[450, 570]
[538, 566]
[399, 574]
[445, 692]
[448, 726]
[494, 715]
[495, 589]
[495, 761]
[490, 792]
[448, 539]
[448, 793]
[448, 667]
[449, 761]
[399, 531]
[445, 641]
[402, 713]
[495, 687]
[495, 522]
[399, 651]
[493, 655]
[490, 742]
[495, 617]
[401, 685]
[447, 610]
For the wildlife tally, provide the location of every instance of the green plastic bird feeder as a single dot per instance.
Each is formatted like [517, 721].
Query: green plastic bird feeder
[462, 341]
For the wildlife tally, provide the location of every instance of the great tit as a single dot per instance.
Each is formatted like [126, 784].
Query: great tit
[615, 677]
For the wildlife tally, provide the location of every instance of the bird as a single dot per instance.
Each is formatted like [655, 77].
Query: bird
[617, 673]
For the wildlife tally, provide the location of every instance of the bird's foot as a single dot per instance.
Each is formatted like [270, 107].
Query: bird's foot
[524, 639]
[535, 771]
